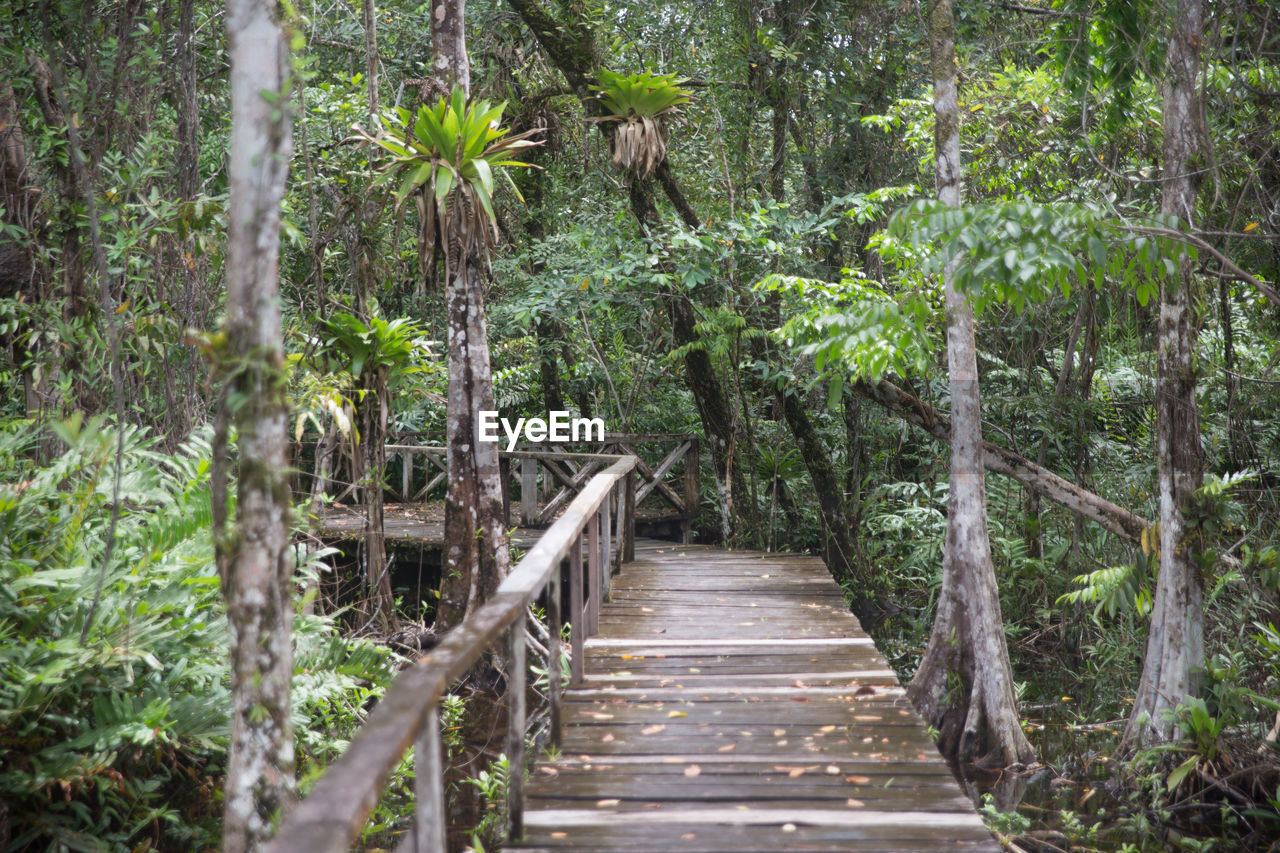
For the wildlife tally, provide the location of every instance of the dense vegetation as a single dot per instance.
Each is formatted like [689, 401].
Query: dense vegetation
[723, 234]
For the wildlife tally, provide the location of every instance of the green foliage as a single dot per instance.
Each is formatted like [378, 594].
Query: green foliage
[1019, 252]
[453, 151]
[636, 105]
[120, 740]
[1114, 590]
[639, 96]
[379, 344]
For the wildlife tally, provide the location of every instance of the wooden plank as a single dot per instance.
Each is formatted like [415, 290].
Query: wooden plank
[731, 702]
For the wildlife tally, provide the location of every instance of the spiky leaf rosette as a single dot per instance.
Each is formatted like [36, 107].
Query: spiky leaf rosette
[637, 104]
[452, 151]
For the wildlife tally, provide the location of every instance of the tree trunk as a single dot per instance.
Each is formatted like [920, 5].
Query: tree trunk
[1174, 660]
[835, 518]
[981, 717]
[254, 560]
[476, 557]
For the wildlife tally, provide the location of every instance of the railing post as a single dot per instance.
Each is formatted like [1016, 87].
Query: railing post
[515, 728]
[504, 478]
[406, 475]
[555, 624]
[629, 518]
[528, 490]
[576, 628]
[606, 547]
[691, 493]
[593, 573]
[428, 771]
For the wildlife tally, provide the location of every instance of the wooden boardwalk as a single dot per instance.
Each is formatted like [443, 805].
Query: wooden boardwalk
[732, 703]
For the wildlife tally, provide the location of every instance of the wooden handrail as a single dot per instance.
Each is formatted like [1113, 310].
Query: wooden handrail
[331, 817]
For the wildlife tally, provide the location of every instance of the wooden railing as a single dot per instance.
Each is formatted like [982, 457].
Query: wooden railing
[549, 476]
[588, 535]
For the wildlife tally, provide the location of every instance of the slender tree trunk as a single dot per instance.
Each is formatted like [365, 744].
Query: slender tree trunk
[369, 15]
[476, 557]
[980, 718]
[840, 555]
[1174, 660]
[253, 559]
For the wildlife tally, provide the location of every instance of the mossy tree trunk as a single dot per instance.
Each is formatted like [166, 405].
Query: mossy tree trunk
[1174, 660]
[964, 686]
[254, 557]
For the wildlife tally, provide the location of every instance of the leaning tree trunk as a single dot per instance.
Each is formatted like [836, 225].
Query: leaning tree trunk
[476, 556]
[967, 642]
[1175, 642]
[253, 558]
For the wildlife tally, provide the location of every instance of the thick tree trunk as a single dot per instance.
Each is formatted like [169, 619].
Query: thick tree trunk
[1174, 660]
[476, 557]
[253, 559]
[476, 552]
[967, 641]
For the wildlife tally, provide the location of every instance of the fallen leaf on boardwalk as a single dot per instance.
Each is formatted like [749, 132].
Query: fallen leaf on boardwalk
[651, 730]
[559, 835]
[854, 804]
[692, 770]
[799, 698]
[606, 804]
[864, 690]
[922, 757]
[674, 714]
[694, 669]
[857, 780]
[833, 769]
[728, 747]
[866, 718]
[827, 729]
[689, 836]
[800, 684]
[793, 772]
[549, 771]
[788, 827]
[607, 739]
[779, 732]
[625, 657]
[646, 609]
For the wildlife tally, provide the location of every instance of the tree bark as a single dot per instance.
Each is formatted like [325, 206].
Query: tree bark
[1174, 661]
[981, 717]
[835, 518]
[476, 557]
[253, 559]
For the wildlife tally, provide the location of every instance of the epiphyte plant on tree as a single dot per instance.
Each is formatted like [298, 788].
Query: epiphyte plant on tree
[638, 104]
[453, 150]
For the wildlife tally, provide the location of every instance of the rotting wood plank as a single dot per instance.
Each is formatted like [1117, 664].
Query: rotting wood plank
[731, 702]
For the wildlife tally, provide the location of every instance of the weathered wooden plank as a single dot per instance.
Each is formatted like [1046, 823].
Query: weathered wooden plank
[731, 702]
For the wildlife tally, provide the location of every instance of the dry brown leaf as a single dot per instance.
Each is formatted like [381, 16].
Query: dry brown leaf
[854, 804]
[858, 780]
[693, 770]
[652, 730]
